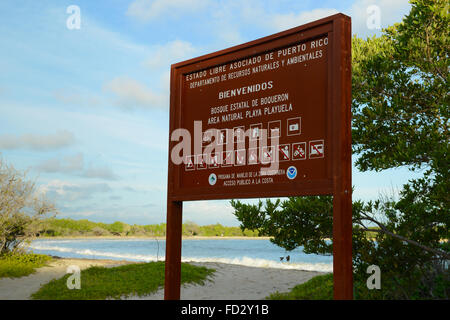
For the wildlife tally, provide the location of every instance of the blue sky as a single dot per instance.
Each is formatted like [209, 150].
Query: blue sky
[85, 111]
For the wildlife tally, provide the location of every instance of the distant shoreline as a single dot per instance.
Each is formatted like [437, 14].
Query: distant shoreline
[149, 238]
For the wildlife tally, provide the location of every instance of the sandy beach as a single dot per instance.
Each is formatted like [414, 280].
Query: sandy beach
[21, 288]
[229, 282]
[235, 282]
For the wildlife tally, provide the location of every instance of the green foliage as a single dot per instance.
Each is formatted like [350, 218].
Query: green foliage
[16, 265]
[69, 227]
[318, 288]
[116, 227]
[400, 87]
[117, 282]
[400, 92]
[298, 221]
[321, 288]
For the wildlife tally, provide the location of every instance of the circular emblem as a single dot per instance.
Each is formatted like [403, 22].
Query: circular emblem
[212, 179]
[291, 172]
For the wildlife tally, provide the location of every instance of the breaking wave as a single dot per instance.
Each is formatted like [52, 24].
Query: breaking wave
[243, 261]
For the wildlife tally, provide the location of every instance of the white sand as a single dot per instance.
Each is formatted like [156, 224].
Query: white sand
[21, 288]
[234, 282]
[229, 282]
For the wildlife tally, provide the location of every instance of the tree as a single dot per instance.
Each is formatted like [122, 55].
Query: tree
[20, 208]
[191, 228]
[400, 119]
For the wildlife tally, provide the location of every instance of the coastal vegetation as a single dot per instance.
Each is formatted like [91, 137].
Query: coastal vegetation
[118, 282]
[54, 227]
[21, 209]
[14, 265]
[321, 288]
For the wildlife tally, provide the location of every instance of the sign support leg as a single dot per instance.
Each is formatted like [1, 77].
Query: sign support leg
[342, 246]
[173, 250]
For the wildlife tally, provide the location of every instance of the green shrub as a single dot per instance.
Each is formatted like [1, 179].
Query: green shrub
[16, 265]
[133, 279]
[318, 288]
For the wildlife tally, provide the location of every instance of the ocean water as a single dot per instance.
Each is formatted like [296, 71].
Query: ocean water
[247, 252]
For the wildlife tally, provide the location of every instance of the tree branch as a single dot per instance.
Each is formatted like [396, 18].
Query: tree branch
[384, 230]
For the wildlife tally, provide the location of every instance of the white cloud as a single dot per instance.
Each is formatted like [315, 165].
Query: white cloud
[147, 10]
[99, 172]
[131, 94]
[75, 165]
[291, 19]
[37, 142]
[77, 98]
[172, 52]
[67, 192]
[66, 165]
[231, 18]
[209, 212]
[391, 11]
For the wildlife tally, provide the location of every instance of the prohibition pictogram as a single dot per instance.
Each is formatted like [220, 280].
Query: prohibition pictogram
[316, 149]
[284, 152]
[267, 155]
[299, 151]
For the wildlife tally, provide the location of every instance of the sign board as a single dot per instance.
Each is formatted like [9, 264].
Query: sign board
[280, 85]
[267, 118]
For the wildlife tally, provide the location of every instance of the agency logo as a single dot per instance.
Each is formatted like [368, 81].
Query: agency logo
[212, 179]
[291, 172]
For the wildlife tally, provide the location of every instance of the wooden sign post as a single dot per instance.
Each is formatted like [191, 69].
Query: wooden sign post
[268, 118]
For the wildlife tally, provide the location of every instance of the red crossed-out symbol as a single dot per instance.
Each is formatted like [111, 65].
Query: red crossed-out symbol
[267, 155]
[227, 158]
[284, 152]
[299, 151]
[316, 149]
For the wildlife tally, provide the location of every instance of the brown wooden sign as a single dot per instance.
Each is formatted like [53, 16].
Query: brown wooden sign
[267, 118]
